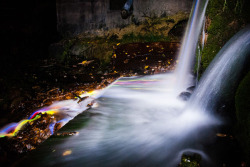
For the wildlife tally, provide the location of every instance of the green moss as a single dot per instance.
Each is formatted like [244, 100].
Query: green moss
[226, 19]
[242, 102]
[150, 37]
[87, 46]
[190, 160]
[101, 48]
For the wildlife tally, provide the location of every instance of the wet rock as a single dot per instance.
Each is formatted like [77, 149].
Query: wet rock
[72, 80]
[78, 49]
[190, 89]
[190, 160]
[81, 98]
[66, 133]
[184, 96]
[57, 127]
[178, 29]
[36, 132]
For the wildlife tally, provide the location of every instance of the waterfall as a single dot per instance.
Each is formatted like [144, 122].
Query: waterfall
[223, 73]
[189, 45]
[200, 49]
[198, 64]
[203, 34]
[139, 121]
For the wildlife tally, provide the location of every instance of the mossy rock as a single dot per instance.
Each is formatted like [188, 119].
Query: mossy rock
[190, 160]
[225, 18]
[242, 102]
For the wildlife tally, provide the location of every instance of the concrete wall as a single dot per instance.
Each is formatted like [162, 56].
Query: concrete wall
[76, 16]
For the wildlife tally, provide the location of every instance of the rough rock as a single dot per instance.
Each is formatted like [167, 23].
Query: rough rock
[184, 96]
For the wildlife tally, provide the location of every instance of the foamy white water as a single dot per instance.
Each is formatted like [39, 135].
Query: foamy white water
[223, 73]
[139, 121]
[187, 53]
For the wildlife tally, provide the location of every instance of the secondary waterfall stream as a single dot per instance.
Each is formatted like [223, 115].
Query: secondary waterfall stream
[223, 72]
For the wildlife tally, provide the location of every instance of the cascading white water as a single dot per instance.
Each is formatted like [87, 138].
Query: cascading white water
[198, 65]
[223, 72]
[141, 122]
[189, 45]
[187, 51]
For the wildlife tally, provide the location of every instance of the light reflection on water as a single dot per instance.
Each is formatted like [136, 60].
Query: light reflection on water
[132, 126]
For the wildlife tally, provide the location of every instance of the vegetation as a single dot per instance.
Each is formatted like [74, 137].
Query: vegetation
[159, 26]
[87, 46]
[131, 38]
[224, 19]
[84, 47]
[190, 160]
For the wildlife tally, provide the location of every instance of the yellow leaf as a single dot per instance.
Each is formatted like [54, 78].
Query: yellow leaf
[84, 62]
[67, 152]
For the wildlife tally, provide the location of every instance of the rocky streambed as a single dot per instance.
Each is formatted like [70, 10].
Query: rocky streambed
[35, 109]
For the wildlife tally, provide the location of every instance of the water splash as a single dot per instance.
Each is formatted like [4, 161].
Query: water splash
[189, 45]
[135, 125]
[67, 108]
[223, 73]
[190, 37]
[140, 121]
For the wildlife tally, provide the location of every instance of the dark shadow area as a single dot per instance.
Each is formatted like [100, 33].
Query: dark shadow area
[27, 29]
[116, 5]
[179, 29]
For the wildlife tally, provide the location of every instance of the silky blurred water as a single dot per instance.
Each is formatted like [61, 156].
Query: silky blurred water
[187, 53]
[133, 124]
[141, 121]
[222, 76]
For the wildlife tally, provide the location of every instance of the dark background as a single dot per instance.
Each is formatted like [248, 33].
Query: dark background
[27, 28]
